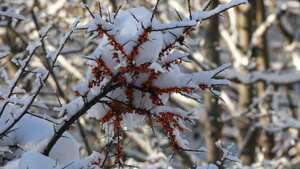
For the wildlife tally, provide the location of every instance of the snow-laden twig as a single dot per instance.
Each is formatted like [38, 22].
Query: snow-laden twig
[201, 15]
[42, 78]
[13, 83]
[131, 72]
[12, 15]
[265, 76]
[4, 54]
[206, 4]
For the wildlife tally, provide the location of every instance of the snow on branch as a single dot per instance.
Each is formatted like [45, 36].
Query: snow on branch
[133, 71]
[227, 153]
[23, 65]
[4, 54]
[268, 77]
[131, 74]
[201, 15]
[12, 15]
[41, 77]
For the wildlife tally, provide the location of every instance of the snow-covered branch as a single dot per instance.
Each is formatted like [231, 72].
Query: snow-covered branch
[265, 76]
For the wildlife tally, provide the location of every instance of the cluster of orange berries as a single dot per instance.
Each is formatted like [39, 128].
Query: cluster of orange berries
[144, 37]
[167, 50]
[96, 162]
[171, 46]
[129, 94]
[84, 95]
[119, 154]
[168, 120]
[72, 127]
[204, 87]
[168, 64]
[147, 85]
[116, 111]
[99, 73]
[110, 38]
[117, 123]
[107, 116]
[103, 67]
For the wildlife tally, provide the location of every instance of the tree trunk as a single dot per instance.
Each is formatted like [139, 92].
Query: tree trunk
[212, 126]
[261, 51]
[244, 15]
[261, 54]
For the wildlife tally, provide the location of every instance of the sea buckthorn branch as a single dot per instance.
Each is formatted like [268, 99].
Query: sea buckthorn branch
[174, 27]
[189, 95]
[82, 111]
[119, 108]
[170, 46]
[134, 70]
[109, 147]
[116, 111]
[168, 120]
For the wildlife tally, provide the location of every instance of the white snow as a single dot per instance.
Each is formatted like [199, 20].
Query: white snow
[32, 134]
[3, 54]
[13, 15]
[33, 46]
[209, 166]
[227, 153]
[83, 5]
[45, 31]
[200, 15]
[34, 160]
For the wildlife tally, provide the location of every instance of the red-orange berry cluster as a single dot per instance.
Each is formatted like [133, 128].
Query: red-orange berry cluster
[169, 122]
[144, 37]
[72, 127]
[117, 109]
[204, 87]
[96, 162]
[119, 154]
[84, 95]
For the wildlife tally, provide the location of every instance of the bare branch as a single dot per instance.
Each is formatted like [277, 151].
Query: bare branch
[154, 10]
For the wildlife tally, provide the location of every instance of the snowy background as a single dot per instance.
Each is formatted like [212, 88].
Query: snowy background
[50, 51]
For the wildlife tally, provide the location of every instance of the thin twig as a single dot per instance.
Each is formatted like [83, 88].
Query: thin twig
[206, 4]
[190, 12]
[118, 10]
[86, 7]
[100, 10]
[179, 16]
[154, 10]
[20, 74]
